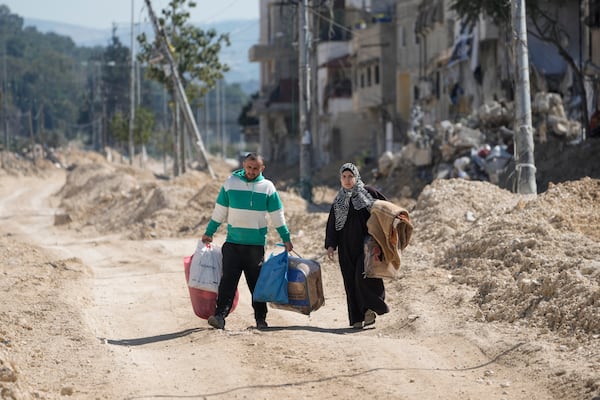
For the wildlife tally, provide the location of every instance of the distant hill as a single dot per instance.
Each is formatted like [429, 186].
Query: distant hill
[242, 33]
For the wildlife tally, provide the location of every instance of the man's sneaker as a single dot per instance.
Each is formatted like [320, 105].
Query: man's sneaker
[357, 325]
[370, 316]
[216, 321]
[261, 324]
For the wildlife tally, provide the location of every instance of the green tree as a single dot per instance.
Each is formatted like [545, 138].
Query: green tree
[119, 126]
[544, 24]
[196, 53]
[41, 79]
[115, 72]
[470, 10]
[143, 126]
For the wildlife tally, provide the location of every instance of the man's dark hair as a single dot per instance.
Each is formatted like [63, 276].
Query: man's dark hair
[254, 157]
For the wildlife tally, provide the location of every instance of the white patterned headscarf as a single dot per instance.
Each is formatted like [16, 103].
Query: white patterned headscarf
[358, 194]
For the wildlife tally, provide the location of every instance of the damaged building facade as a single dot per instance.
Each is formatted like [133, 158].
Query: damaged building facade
[381, 70]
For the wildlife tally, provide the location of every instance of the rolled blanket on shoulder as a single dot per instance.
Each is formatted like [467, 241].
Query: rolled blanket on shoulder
[390, 226]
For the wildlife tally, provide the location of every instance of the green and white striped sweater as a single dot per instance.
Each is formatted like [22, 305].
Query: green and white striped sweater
[244, 205]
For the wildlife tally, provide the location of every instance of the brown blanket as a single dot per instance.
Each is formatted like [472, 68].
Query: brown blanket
[390, 226]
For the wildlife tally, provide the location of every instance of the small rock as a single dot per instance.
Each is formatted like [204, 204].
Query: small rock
[7, 374]
[469, 216]
[67, 391]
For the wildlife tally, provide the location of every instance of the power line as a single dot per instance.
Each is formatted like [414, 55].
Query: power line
[227, 7]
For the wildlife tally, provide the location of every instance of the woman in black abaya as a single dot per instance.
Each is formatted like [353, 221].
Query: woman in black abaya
[346, 231]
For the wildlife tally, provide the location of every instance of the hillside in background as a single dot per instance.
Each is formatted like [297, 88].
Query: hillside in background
[243, 34]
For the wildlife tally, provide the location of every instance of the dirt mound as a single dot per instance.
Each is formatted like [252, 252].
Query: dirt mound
[112, 198]
[24, 317]
[17, 165]
[534, 260]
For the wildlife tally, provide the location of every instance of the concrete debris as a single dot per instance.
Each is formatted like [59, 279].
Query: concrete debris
[479, 147]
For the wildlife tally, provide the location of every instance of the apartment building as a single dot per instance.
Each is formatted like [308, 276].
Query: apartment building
[353, 92]
[277, 104]
[373, 62]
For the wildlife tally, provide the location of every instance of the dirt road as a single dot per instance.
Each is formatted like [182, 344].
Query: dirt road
[109, 317]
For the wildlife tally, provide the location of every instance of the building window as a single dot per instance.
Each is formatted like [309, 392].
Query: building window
[417, 40]
[369, 75]
[377, 74]
[402, 36]
[362, 79]
[593, 20]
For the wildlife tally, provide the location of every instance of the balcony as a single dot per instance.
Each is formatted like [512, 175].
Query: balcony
[281, 97]
[266, 52]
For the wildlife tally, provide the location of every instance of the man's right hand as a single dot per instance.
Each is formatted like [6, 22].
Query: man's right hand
[206, 239]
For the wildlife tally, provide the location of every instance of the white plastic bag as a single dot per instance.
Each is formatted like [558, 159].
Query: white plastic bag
[206, 268]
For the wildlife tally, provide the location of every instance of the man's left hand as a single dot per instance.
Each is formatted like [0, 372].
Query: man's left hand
[289, 246]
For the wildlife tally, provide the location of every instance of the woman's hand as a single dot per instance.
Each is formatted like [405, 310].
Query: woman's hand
[330, 251]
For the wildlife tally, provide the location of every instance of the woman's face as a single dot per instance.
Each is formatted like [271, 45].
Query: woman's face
[348, 180]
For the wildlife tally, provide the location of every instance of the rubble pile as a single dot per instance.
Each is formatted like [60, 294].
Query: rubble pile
[480, 146]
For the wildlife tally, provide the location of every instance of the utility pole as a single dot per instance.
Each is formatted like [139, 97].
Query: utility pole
[305, 103]
[131, 94]
[525, 164]
[138, 103]
[223, 118]
[218, 117]
[179, 90]
[5, 98]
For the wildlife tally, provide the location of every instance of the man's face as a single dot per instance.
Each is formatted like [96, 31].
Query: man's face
[253, 168]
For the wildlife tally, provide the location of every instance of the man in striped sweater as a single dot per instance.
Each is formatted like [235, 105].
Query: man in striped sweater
[244, 201]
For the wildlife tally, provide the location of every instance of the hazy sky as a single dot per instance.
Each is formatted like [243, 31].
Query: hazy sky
[102, 13]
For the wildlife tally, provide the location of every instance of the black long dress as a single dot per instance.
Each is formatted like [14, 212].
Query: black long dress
[362, 293]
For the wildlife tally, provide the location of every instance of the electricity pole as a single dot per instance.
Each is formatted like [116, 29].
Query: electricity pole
[179, 90]
[5, 98]
[525, 164]
[131, 94]
[304, 83]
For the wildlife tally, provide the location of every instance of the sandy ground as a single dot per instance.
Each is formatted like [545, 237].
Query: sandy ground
[499, 296]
